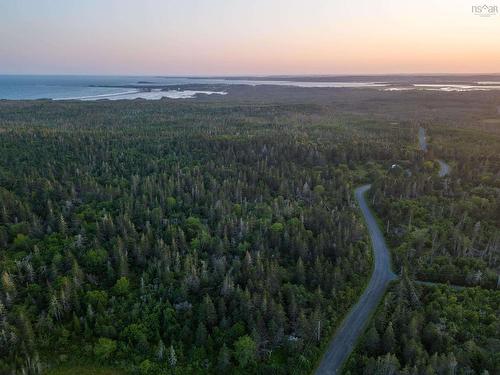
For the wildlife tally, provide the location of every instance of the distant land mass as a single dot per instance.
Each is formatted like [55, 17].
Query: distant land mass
[82, 87]
[388, 78]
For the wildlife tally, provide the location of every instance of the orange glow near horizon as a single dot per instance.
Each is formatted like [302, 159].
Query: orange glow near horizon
[238, 37]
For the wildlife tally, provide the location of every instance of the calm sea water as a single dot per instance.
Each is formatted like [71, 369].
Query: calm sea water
[93, 87]
[98, 87]
[67, 87]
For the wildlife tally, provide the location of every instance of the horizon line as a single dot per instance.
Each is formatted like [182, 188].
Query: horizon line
[193, 75]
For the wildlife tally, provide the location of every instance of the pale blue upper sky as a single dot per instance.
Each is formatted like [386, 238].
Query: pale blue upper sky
[246, 37]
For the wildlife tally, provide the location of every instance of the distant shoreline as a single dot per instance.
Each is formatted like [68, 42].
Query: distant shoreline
[110, 87]
[387, 78]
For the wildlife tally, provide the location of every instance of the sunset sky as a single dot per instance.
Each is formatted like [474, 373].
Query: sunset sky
[211, 37]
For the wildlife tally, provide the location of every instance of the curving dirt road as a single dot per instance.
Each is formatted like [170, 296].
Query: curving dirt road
[421, 139]
[344, 341]
[444, 168]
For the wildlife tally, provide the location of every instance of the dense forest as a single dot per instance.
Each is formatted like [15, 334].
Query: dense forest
[441, 230]
[179, 238]
[222, 236]
[431, 330]
[447, 228]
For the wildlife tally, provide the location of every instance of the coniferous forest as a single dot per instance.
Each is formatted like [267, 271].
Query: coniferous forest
[221, 235]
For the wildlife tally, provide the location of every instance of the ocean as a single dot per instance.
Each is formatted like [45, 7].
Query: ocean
[68, 87]
[71, 87]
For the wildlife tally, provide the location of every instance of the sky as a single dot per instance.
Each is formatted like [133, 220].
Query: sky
[235, 37]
